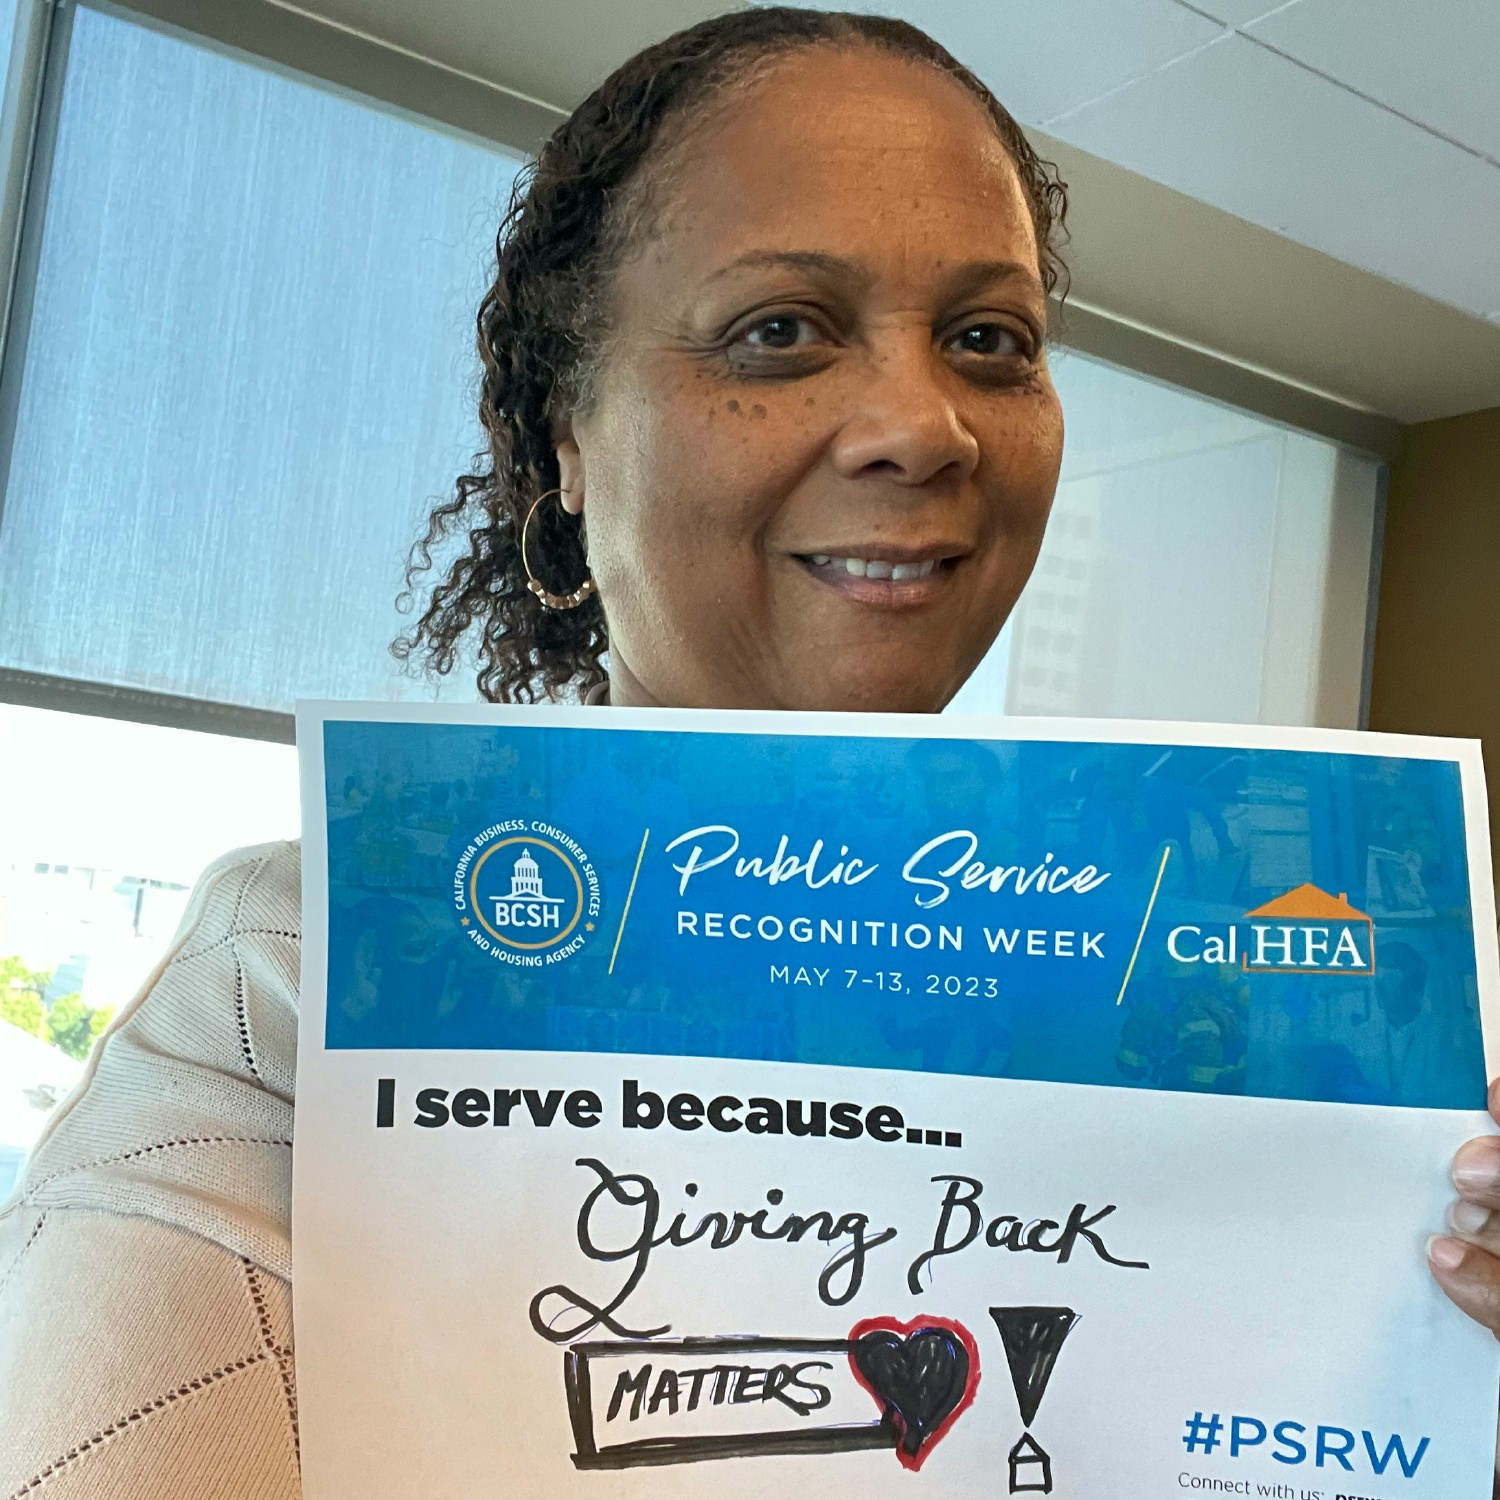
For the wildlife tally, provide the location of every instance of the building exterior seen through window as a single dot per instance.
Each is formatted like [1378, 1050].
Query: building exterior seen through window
[104, 828]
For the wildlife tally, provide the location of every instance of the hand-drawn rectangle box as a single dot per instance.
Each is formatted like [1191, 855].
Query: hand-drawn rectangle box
[710, 1367]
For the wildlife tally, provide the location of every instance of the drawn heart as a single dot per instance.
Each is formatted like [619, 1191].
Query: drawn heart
[923, 1374]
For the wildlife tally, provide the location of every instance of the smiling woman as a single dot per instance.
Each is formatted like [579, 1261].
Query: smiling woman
[770, 361]
[770, 426]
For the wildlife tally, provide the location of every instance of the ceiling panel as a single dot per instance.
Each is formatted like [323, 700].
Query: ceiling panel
[1239, 127]
[1043, 60]
[1437, 64]
[557, 52]
[1237, 12]
[1169, 262]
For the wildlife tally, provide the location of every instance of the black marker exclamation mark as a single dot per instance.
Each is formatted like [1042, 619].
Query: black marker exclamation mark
[385, 1103]
[1033, 1338]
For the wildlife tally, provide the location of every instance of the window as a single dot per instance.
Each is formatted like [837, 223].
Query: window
[247, 376]
[106, 826]
[200, 500]
[8, 10]
[1200, 563]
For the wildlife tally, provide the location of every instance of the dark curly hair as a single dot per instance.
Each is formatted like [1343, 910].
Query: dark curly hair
[574, 214]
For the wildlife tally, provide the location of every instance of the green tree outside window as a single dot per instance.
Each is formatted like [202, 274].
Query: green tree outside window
[67, 1023]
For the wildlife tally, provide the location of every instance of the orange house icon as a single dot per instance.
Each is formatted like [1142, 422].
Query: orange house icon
[1307, 931]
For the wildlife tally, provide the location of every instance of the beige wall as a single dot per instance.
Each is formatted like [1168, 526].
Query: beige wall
[1437, 638]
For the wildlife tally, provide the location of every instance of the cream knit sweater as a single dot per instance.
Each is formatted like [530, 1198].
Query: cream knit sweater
[145, 1257]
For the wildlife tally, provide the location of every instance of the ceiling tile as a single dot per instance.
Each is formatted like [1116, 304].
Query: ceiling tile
[1043, 60]
[555, 54]
[1238, 12]
[1437, 63]
[1163, 260]
[1248, 131]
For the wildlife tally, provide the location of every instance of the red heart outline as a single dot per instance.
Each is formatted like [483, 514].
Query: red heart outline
[905, 1330]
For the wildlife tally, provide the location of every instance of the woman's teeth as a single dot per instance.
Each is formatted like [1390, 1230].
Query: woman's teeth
[863, 567]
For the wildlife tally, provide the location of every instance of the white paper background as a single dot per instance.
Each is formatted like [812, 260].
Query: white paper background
[1287, 1276]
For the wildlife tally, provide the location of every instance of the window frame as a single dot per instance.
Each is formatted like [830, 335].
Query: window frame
[312, 50]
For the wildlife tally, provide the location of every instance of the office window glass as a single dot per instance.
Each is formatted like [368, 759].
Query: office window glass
[249, 372]
[104, 828]
[1200, 563]
[8, 9]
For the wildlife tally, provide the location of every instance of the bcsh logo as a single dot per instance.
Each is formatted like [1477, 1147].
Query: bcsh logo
[1304, 931]
[526, 893]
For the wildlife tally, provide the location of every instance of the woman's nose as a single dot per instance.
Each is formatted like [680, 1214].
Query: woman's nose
[905, 426]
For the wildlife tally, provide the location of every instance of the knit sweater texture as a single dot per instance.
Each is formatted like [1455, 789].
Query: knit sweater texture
[145, 1254]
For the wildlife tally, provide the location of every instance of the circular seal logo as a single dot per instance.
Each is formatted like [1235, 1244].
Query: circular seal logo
[526, 893]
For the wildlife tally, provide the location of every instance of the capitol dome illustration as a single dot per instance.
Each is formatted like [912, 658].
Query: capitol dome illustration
[526, 879]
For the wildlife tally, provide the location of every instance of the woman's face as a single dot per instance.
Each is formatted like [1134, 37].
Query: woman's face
[824, 440]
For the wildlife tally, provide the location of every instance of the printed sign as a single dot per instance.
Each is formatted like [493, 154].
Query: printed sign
[699, 1104]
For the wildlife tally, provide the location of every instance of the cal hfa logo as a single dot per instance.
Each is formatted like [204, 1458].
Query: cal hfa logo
[1305, 931]
[526, 893]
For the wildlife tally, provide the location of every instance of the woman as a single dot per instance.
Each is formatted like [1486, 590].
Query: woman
[769, 416]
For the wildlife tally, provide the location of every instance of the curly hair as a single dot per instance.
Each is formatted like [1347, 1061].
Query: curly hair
[574, 215]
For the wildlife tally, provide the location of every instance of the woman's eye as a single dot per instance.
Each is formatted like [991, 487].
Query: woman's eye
[988, 338]
[781, 332]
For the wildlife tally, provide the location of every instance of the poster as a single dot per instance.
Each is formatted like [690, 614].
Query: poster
[736, 1105]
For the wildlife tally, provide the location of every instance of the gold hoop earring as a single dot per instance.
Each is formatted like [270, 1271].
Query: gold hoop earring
[550, 600]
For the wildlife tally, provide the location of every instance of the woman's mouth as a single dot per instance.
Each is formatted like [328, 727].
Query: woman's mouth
[875, 567]
[889, 580]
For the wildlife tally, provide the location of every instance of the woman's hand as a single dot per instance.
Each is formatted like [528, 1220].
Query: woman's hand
[1466, 1261]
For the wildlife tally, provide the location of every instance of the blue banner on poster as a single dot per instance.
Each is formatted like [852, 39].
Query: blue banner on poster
[1280, 923]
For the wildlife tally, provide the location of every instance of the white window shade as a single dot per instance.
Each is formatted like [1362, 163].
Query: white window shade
[7, 36]
[1200, 563]
[248, 374]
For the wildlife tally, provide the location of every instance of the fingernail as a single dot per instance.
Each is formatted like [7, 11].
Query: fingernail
[1446, 1255]
[1477, 1165]
[1494, 1099]
[1467, 1218]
